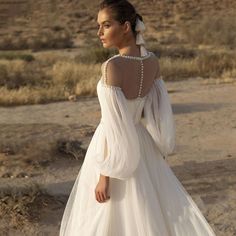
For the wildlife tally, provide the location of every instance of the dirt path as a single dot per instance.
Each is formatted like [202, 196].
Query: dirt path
[204, 159]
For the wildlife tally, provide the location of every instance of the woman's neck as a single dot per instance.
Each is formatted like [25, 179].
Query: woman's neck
[130, 49]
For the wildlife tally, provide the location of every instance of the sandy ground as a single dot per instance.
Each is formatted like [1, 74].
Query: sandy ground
[36, 177]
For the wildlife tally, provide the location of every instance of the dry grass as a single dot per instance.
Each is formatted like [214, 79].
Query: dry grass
[45, 39]
[173, 51]
[12, 55]
[214, 64]
[179, 63]
[76, 78]
[46, 79]
[229, 74]
[26, 95]
[55, 78]
[213, 30]
[15, 208]
[181, 29]
[17, 73]
[21, 209]
[48, 59]
[95, 54]
[178, 69]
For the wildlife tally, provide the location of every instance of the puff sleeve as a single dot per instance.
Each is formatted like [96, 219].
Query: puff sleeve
[159, 120]
[118, 153]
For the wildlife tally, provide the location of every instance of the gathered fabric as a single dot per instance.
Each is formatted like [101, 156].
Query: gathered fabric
[146, 198]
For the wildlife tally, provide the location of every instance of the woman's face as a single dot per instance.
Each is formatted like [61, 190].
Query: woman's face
[110, 32]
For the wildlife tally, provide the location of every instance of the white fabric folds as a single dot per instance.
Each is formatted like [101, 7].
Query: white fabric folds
[159, 118]
[119, 133]
[146, 198]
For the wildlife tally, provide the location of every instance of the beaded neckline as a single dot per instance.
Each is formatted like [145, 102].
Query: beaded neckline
[135, 57]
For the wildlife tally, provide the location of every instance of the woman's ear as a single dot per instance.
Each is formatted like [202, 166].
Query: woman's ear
[127, 27]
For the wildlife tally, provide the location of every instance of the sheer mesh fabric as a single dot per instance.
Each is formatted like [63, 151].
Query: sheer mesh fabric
[125, 73]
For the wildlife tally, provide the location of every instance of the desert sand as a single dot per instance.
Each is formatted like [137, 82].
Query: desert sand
[36, 178]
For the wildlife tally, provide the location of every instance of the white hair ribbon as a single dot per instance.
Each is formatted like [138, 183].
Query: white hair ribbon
[139, 28]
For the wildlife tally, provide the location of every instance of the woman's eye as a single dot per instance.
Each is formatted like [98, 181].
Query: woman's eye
[106, 26]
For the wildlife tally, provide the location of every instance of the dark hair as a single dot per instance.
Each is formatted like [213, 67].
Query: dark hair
[122, 11]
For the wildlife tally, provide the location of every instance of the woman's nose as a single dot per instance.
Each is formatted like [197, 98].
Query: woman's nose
[99, 32]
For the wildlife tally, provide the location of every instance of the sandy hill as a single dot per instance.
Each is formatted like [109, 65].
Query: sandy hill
[26, 18]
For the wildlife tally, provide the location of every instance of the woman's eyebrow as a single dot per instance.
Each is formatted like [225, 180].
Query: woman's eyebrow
[104, 21]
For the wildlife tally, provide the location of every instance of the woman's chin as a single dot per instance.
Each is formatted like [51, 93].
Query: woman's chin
[106, 45]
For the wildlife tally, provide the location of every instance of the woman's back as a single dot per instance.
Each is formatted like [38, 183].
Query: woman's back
[135, 75]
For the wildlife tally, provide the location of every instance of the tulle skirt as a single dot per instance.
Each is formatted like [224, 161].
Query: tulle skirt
[152, 202]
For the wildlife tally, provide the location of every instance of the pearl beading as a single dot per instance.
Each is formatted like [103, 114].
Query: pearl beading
[136, 58]
[129, 57]
[141, 62]
[105, 74]
[141, 80]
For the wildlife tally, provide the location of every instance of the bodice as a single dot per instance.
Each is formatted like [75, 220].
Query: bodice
[135, 107]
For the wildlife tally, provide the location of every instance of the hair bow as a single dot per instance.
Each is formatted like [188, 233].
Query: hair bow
[139, 28]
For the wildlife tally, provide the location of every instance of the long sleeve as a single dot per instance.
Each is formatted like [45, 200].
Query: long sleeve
[159, 118]
[119, 154]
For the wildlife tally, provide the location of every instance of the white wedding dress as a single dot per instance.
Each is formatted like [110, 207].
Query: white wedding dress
[146, 198]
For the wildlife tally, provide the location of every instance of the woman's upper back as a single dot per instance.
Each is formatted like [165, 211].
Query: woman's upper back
[134, 75]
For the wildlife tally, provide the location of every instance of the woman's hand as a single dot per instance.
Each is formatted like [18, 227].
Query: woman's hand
[101, 190]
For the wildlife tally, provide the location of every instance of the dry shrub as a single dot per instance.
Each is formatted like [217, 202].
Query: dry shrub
[204, 65]
[66, 74]
[179, 63]
[86, 87]
[6, 42]
[95, 54]
[11, 55]
[214, 64]
[178, 69]
[3, 74]
[13, 77]
[49, 39]
[72, 76]
[26, 95]
[15, 205]
[28, 83]
[21, 209]
[229, 74]
[212, 30]
[17, 73]
[48, 59]
[173, 51]
[44, 39]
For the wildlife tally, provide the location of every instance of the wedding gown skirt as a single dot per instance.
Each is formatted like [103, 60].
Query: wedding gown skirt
[145, 200]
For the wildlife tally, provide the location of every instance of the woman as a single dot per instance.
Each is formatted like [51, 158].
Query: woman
[125, 187]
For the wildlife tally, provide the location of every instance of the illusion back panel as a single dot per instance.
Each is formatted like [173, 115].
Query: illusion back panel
[132, 76]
